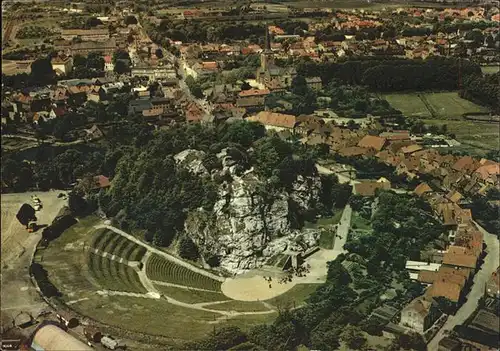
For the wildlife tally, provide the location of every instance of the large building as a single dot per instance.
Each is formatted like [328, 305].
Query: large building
[271, 76]
[420, 314]
[86, 34]
[84, 48]
[154, 73]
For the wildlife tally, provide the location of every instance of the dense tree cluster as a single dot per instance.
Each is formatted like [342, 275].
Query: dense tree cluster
[203, 32]
[33, 32]
[402, 226]
[482, 89]
[88, 67]
[156, 194]
[389, 74]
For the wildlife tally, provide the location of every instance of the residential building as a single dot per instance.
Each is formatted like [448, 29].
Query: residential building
[492, 287]
[370, 187]
[108, 64]
[154, 73]
[420, 314]
[86, 34]
[107, 47]
[270, 74]
[63, 64]
[275, 121]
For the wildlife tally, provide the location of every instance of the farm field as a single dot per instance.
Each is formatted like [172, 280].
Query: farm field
[451, 106]
[476, 137]
[490, 69]
[444, 105]
[359, 4]
[410, 104]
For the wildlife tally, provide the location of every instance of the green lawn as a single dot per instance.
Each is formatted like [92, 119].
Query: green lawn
[296, 296]
[239, 306]
[327, 235]
[66, 262]
[451, 106]
[158, 317]
[189, 295]
[490, 69]
[358, 222]
[410, 104]
[476, 137]
[445, 105]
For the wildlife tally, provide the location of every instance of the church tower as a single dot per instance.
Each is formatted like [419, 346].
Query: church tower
[266, 57]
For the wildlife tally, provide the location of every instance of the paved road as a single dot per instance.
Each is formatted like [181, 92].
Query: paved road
[342, 178]
[343, 230]
[491, 262]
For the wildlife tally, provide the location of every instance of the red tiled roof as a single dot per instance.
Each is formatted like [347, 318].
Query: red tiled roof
[373, 142]
[444, 288]
[254, 92]
[102, 181]
[275, 119]
[460, 257]
[422, 188]
[353, 151]
[368, 188]
[487, 171]
[411, 149]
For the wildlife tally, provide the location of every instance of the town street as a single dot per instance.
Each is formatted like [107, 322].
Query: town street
[491, 262]
[343, 230]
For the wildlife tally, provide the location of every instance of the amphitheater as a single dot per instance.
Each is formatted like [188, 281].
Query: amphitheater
[120, 264]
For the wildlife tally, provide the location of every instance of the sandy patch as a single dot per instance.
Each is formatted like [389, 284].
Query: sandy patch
[15, 238]
[252, 286]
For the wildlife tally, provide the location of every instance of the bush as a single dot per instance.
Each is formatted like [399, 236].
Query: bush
[187, 249]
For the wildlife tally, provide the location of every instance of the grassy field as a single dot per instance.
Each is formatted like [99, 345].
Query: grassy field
[410, 104]
[476, 137]
[160, 269]
[444, 105]
[158, 317]
[296, 296]
[65, 260]
[239, 306]
[358, 4]
[358, 222]
[326, 238]
[450, 106]
[490, 69]
[189, 295]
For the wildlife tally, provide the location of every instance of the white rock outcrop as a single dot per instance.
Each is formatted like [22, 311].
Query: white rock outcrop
[246, 226]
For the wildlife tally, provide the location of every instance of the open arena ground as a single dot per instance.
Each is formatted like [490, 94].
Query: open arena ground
[18, 294]
[120, 281]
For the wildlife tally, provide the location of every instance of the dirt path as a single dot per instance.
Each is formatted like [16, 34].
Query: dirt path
[162, 253]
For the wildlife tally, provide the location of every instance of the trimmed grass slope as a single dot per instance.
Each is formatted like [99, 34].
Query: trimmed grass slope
[160, 269]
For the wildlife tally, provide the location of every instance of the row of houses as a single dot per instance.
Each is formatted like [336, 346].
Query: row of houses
[54, 101]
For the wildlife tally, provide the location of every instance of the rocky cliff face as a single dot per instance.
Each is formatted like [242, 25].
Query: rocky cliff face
[248, 226]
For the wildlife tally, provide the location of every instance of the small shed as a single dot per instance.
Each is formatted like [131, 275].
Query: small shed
[92, 333]
[26, 214]
[23, 320]
[109, 343]
[67, 319]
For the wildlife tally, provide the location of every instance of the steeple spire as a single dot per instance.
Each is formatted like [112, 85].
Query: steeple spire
[268, 39]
